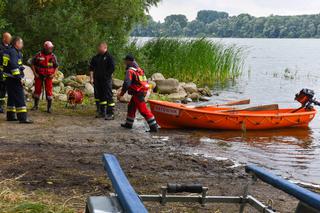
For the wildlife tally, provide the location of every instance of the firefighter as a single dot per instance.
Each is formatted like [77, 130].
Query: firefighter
[44, 67]
[5, 45]
[101, 69]
[13, 72]
[137, 85]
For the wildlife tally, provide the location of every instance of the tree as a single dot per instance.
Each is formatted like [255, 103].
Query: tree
[220, 24]
[180, 19]
[209, 16]
[75, 26]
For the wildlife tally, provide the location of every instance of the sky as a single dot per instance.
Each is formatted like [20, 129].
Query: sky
[235, 7]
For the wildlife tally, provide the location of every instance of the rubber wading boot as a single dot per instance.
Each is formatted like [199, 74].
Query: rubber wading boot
[2, 103]
[127, 126]
[109, 117]
[49, 106]
[154, 128]
[36, 104]
[102, 112]
[12, 116]
[23, 118]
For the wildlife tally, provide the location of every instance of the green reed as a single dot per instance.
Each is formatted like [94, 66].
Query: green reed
[201, 61]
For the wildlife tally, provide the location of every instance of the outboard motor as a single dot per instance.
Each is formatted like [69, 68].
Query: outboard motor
[306, 98]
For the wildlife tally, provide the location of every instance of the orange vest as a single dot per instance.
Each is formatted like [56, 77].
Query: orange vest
[139, 80]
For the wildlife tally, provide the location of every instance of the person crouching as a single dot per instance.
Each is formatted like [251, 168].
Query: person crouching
[137, 85]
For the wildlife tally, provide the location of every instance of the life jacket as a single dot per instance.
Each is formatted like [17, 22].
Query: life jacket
[139, 80]
[45, 64]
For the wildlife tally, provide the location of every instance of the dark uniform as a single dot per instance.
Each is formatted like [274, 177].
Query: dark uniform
[103, 67]
[13, 72]
[3, 92]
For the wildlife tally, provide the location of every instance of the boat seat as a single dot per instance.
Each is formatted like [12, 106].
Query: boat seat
[308, 199]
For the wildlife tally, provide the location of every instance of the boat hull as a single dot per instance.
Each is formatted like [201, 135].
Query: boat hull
[175, 116]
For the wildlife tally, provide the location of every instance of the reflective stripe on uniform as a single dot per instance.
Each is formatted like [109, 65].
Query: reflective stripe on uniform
[15, 71]
[130, 120]
[142, 78]
[152, 121]
[111, 104]
[20, 62]
[96, 100]
[21, 109]
[5, 60]
[103, 103]
[11, 109]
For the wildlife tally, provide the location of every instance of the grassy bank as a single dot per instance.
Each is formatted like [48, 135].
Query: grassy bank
[201, 61]
[14, 200]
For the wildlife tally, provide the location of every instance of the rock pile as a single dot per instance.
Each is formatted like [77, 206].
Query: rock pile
[171, 89]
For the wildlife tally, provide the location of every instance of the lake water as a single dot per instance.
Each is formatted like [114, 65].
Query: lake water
[292, 153]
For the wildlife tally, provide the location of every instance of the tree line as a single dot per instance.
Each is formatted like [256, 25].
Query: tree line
[74, 26]
[210, 23]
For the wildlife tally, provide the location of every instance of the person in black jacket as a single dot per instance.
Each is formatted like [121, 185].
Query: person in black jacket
[4, 45]
[101, 69]
[13, 72]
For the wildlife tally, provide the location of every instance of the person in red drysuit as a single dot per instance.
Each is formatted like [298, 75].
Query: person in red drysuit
[44, 67]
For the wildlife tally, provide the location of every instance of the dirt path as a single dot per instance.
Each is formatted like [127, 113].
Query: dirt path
[61, 153]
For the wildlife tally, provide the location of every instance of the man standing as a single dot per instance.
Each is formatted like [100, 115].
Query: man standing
[101, 69]
[137, 85]
[13, 72]
[44, 67]
[5, 45]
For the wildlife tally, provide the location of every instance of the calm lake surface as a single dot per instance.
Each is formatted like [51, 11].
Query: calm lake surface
[292, 153]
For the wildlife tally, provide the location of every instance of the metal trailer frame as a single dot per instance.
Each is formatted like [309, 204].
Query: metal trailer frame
[125, 198]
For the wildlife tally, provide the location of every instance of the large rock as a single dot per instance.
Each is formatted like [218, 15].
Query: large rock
[62, 97]
[57, 89]
[167, 86]
[82, 79]
[194, 96]
[88, 89]
[68, 89]
[125, 98]
[116, 83]
[178, 96]
[152, 85]
[28, 73]
[190, 88]
[157, 77]
[205, 92]
[58, 78]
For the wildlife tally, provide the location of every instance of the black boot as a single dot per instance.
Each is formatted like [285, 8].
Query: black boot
[110, 114]
[12, 116]
[154, 128]
[102, 112]
[23, 118]
[49, 106]
[109, 117]
[36, 104]
[98, 109]
[126, 125]
[2, 102]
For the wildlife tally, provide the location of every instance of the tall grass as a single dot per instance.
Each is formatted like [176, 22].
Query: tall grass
[201, 61]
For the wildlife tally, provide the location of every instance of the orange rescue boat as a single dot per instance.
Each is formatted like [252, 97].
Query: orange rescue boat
[173, 116]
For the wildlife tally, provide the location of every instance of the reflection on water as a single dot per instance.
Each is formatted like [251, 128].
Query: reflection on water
[291, 153]
[279, 68]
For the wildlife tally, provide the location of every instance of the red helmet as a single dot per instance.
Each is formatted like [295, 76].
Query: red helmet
[48, 45]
